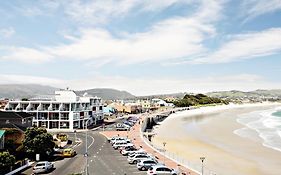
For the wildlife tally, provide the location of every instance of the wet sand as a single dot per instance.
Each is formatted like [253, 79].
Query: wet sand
[209, 133]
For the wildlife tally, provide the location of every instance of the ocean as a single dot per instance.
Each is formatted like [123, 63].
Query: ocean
[262, 126]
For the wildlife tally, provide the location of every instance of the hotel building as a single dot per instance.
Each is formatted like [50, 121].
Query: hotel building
[64, 111]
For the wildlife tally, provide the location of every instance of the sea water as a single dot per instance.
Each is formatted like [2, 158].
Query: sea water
[265, 124]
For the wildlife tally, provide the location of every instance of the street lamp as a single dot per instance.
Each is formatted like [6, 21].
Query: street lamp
[75, 136]
[164, 144]
[86, 150]
[202, 160]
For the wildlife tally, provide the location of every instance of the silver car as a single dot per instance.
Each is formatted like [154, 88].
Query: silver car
[161, 170]
[135, 159]
[146, 164]
[43, 167]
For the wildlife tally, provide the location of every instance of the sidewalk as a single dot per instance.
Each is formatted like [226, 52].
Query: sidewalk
[136, 137]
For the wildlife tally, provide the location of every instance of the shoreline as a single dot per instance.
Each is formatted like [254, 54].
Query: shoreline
[197, 142]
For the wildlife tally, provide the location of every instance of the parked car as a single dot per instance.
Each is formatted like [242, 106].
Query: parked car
[126, 122]
[127, 148]
[137, 152]
[43, 167]
[126, 152]
[123, 140]
[113, 139]
[117, 145]
[146, 164]
[160, 170]
[136, 158]
[122, 127]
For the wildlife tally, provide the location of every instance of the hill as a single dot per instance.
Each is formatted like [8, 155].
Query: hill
[199, 99]
[107, 94]
[240, 94]
[18, 91]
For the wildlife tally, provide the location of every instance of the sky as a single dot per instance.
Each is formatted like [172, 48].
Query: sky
[142, 46]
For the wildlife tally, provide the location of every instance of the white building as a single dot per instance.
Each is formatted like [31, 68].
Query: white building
[161, 103]
[65, 110]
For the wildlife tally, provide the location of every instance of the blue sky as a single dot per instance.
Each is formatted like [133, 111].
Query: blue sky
[142, 46]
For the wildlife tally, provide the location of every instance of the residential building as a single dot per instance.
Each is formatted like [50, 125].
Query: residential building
[130, 108]
[20, 120]
[65, 111]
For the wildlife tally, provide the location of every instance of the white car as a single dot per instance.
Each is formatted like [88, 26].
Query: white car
[121, 140]
[136, 158]
[122, 127]
[160, 170]
[42, 167]
[118, 145]
[133, 153]
[146, 164]
[126, 152]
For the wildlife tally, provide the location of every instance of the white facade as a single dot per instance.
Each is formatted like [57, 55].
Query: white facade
[66, 111]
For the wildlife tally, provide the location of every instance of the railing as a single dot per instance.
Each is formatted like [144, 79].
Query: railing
[181, 160]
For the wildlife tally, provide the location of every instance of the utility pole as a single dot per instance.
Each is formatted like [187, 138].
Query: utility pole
[86, 150]
[164, 144]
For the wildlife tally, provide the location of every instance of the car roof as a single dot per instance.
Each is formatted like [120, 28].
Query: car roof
[148, 159]
[43, 162]
[160, 166]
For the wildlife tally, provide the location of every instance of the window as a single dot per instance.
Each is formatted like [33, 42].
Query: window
[167, 169]
[64, 116]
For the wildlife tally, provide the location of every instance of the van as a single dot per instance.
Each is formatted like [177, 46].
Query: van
[69, 152]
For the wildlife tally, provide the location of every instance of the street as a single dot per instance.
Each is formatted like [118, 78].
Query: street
[102, 158]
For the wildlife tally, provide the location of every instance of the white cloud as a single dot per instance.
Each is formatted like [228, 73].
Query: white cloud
[170, 39]
[7, 32]
[245, 46]
[101, 11]
[24, 54]
[173, 38]
[26, 79]
[254, 8]
[140, 86]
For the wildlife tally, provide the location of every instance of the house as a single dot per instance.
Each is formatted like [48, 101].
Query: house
[2, 140]
[64, 111]
[20, 120]
[130, 108]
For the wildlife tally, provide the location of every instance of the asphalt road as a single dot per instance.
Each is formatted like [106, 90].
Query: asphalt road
[102, 159]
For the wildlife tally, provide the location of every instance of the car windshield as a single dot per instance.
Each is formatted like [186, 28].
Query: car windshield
[40, 164]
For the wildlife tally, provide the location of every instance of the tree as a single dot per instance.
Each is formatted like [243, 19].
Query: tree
[6, 160]
[38, 141]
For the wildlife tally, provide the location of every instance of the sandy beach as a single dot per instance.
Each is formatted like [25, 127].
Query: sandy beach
[209, 132]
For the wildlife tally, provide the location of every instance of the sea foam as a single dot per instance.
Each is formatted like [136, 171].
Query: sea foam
[266, 126]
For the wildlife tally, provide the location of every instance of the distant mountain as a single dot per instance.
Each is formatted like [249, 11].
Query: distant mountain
[18, 91]
[275, 93]
[107, 94]
[163, 96]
